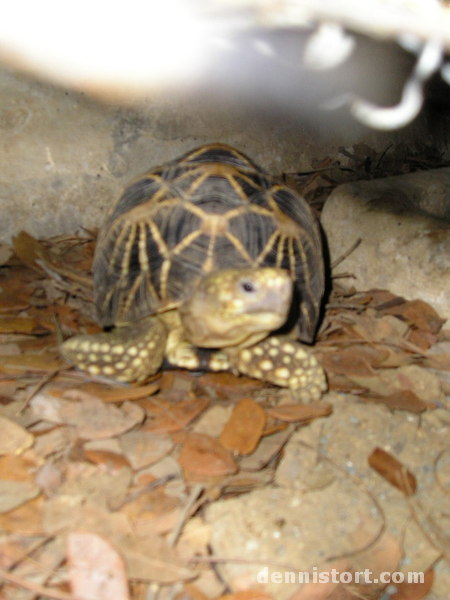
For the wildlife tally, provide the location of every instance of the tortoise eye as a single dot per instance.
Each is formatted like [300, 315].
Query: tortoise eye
[248, 286]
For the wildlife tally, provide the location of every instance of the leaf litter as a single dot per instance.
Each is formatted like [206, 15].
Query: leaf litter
[82, 496]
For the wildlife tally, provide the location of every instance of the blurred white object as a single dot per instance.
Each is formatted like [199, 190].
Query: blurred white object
[129, 49]
[90, 44]
[393, 117]
[327, 47]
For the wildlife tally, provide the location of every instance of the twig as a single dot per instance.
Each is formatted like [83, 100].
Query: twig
[56, 272]
[38, 589]
[37, 388]
[186, 513]
[346, 253]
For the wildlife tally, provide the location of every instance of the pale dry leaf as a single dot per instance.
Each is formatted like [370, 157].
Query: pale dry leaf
[95, 484]
[14, 439]
[421, 382]
[152, 559]
[92, 418]
[268, 447]
[16, 493]
[96, 569]
[142, 448]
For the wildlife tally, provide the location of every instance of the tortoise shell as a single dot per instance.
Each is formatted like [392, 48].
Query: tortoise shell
[211, 209]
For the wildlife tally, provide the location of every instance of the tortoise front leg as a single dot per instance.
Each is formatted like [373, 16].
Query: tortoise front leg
[183, 354]
[286, 363]
[129, 353]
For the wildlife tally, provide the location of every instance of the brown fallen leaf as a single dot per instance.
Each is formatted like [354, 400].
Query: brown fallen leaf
[414, 591]
[111, 461]
[292, 413]
[204, 456]
[440, 362]
[166, 416]
[15, 493]
[29, 250]
[96, 569]
[393, 471]
[357, 359]
[421, 382]
[142, 448]
[421, 338]
[227, 384]
[118, 393]
[370, 326]
[268, 447]
[403, 400]
[418, 314]
[26, 518]
[26, 325]
[244, 428]
[44, 361]
[92, 418]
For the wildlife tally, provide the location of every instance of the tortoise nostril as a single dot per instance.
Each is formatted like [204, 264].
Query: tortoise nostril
[248, 286]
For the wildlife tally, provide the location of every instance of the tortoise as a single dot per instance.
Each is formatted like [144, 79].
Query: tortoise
[207, 263]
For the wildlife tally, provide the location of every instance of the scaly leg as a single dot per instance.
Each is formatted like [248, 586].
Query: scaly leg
[286, 363]
[128, 353]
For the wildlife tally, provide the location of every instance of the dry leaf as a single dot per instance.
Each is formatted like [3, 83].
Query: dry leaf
[44, 361]
[421, 382]
[15, 493]
[167, 416]
[26, 518]
[119, 393]
[441, 362]
[355, 360]
[14, 439]
[227, 384]
[204, 456]
[300, 412]
[150, 558]
[419, 314]
[29, 250]
[414, 591]
[25, 325]
[393, 471]
[111, 461]
[96, 570]
[404, 400]
[244, 428]
[92, 418]
[267, 449]
[142, 448]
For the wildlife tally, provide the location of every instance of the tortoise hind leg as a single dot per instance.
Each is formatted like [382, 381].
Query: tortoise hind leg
[129, 353]
[286, 363]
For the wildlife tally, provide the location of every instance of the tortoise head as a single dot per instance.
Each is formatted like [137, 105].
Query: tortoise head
[236, 306]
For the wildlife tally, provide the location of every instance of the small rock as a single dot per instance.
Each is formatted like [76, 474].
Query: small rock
[403, 223]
